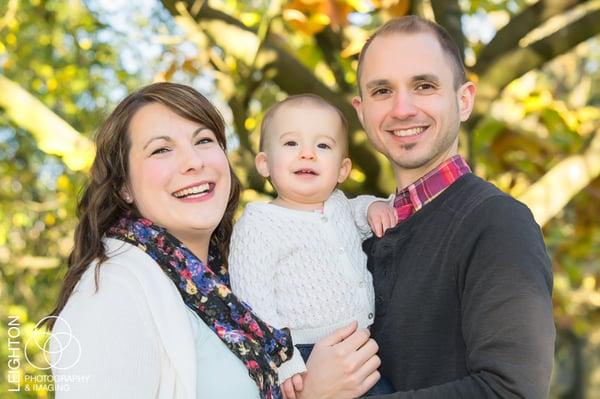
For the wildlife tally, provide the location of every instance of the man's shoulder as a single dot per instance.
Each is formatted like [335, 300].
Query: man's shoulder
[471, 192]
[480, 203]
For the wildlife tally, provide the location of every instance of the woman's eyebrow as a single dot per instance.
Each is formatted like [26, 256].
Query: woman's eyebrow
[167, 138]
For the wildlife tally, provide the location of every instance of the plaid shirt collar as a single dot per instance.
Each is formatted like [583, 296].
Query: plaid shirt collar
[421, 192]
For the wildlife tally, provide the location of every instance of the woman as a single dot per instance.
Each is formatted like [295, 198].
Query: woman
[146, 310]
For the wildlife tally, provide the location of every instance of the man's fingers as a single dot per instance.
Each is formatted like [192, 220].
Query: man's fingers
[370, 381]
[353, 342]
[368, 367]
[287, 388]
[363, 358]
[297, 381]
[339, 335]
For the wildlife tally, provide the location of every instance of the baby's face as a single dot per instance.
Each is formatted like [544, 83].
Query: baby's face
[305, 153]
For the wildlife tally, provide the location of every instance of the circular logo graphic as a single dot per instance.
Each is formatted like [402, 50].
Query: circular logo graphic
[53, 346]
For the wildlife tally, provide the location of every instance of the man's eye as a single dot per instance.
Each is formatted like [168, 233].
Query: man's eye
[380, 91]
[425, 86]
[323, 146]
[290, 143]
[160, 150]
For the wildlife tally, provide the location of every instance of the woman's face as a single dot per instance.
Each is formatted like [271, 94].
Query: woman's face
[178, 175]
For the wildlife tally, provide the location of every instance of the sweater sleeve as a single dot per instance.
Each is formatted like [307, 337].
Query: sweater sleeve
[505, 282]
[104, 331]
[252, 269]
[360, 206]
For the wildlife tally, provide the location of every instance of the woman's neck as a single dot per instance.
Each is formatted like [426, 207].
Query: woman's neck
[198, 245]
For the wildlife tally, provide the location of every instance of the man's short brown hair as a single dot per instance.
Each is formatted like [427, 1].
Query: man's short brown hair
[412, 24]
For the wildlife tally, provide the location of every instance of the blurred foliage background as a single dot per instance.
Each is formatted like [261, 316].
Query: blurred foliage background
[535, 131]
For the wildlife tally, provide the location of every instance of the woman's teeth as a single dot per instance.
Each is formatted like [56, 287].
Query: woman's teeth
[201, 189]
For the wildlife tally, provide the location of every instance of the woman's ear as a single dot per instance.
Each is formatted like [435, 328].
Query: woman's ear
[345, 169]
[126, 195]
[262, 164]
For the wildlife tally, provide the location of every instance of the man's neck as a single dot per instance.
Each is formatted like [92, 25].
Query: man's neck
[405, 177]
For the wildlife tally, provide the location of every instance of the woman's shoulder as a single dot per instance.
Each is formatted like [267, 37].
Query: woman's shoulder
[128, 274]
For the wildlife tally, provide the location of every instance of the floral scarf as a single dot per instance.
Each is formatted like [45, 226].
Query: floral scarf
[206, 291]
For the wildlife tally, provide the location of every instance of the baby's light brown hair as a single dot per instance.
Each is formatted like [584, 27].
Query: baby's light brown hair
[299, 99]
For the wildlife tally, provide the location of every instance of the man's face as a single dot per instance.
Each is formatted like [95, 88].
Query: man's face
[409, 106]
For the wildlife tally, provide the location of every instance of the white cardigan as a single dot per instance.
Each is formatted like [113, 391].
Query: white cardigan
[304, 270]
[133, 338]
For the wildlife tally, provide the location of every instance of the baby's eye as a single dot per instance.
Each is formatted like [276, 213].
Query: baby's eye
[324, 146]
[290, 143]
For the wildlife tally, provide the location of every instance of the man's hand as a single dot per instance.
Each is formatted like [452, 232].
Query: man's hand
[381, 217]
[291, 386]
[342, 365]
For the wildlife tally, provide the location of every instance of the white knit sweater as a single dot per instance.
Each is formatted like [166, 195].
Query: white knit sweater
[304, 270]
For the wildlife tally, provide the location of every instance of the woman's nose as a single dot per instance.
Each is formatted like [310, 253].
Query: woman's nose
[190, 160]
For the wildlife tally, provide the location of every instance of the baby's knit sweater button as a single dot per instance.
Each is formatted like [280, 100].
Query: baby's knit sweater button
[324, 218]
[370, 316]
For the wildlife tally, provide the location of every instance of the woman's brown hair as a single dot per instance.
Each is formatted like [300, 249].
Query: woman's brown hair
[101, 204]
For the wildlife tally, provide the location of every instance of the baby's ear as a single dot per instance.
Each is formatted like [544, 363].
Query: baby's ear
[262, 164]
[345, 169]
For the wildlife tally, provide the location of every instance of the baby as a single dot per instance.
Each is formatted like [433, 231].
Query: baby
[298, 260]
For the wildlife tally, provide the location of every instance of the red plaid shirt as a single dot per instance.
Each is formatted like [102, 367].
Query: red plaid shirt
[421, 192]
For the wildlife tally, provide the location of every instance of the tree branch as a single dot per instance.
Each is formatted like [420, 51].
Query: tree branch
[550, 194]
[521, 60]
[289, 74]
[330, 44]
[520, 25]
[448, 13]
[52, 133]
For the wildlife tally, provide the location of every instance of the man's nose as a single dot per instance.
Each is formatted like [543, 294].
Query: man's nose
[404, 106]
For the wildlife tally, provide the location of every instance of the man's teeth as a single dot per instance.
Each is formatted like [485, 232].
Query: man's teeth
[201, 189]
[408, 132]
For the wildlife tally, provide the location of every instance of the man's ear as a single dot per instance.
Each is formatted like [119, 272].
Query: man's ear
[466, 99]
[262, 164]
[345, 169]
[357, 104]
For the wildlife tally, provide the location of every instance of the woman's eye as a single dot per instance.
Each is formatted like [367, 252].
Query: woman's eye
[160, 150]
[290, 143]
[323, 146]
[205, 140]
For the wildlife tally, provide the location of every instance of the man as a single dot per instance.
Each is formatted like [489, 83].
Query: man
[463, 283]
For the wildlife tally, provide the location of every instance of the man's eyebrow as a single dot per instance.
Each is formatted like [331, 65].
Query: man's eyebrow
[426, 77]
[377, 82]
